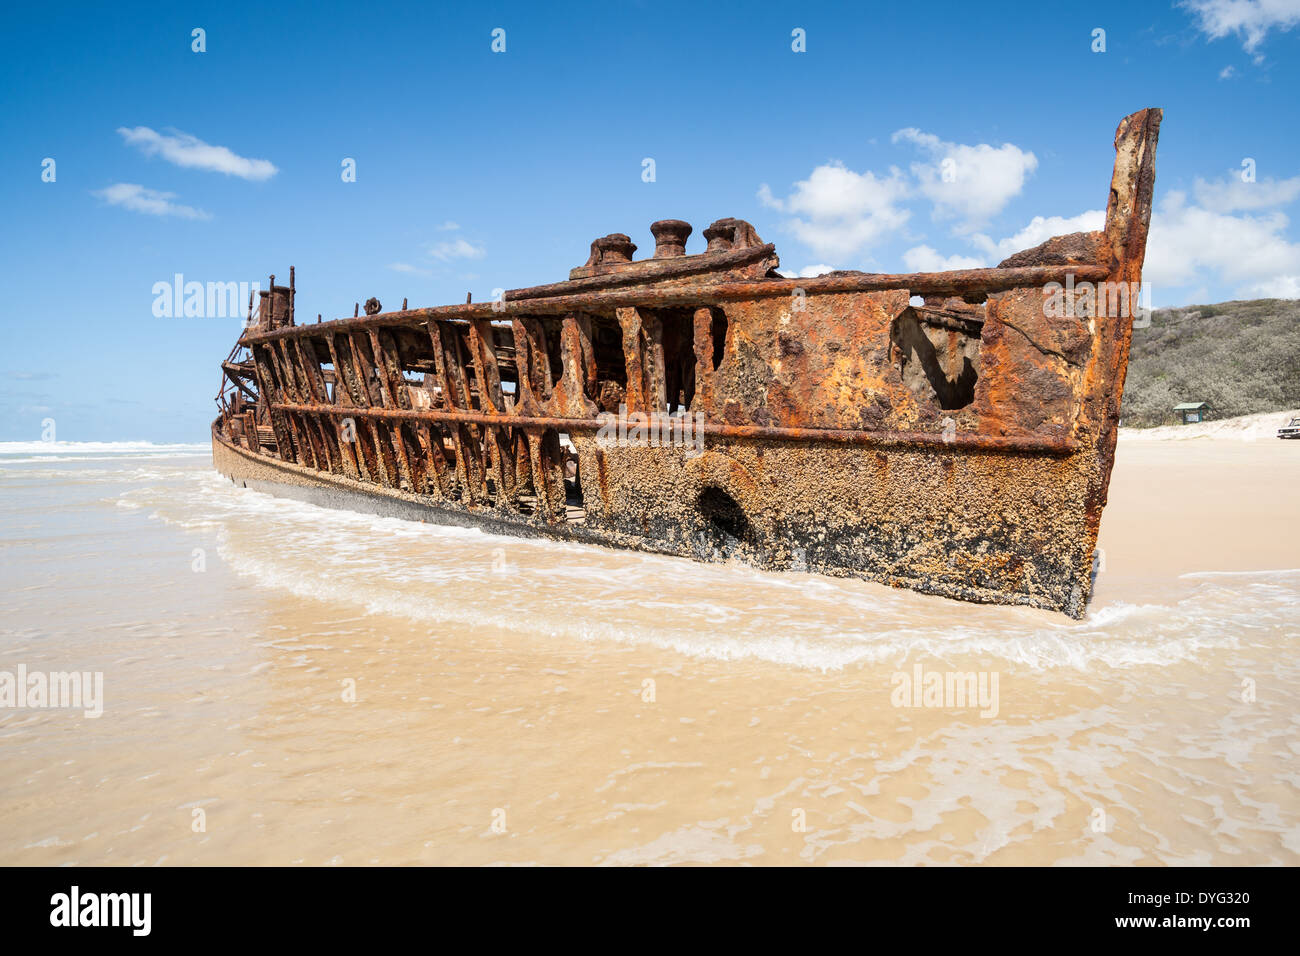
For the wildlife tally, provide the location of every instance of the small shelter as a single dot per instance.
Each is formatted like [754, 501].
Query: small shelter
[1193, 412]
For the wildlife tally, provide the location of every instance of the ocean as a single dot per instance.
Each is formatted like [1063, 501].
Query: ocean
[287, 684]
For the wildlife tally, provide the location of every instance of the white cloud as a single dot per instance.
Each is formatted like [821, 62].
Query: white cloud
[1251, 20]
[1188, 244]
[448, 226]
[812, 272]
[1227, 72]
[1039, 230]
[1280, 287]
[408, 268]
[188, 151]
[1250, 252]
[837, 212]
[1231, 194]
[968, 183]
[807, 272]
[151, 202]
[457, 248]
[926, 259]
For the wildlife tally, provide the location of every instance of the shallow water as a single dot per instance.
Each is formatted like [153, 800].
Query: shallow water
[335, 688]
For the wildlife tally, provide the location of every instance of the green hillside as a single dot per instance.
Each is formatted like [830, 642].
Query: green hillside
[1241, 357]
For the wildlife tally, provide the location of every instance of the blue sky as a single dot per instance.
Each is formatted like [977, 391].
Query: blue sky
[478, 170]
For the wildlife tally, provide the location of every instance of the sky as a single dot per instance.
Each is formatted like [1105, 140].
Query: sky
[901, 137]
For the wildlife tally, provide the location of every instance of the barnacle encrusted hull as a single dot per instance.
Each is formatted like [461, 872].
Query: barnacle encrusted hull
[948, 432]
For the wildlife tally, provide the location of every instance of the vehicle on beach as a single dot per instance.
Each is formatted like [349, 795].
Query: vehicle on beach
[1291, 430]
[948, 432]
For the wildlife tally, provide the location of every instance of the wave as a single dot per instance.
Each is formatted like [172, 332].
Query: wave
[65, 451]
[47, 450]
[1278, 573]
[470, 580]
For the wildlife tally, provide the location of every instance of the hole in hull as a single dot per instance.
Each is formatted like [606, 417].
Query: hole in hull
[939, 363]
[726, 521]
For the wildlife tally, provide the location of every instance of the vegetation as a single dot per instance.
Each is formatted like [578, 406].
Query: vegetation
[1241, 357]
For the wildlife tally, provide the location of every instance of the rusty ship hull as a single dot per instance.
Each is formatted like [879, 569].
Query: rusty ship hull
[952, 432]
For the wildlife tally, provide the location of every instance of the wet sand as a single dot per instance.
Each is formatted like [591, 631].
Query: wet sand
[339, 689]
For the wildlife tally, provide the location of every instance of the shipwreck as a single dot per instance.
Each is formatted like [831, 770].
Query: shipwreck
[948, 432]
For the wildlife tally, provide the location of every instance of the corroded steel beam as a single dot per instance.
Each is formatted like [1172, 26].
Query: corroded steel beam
[646, 271]
[236, 374]
[958, 283]
[839, 435]
[392, 395]
[365, 363]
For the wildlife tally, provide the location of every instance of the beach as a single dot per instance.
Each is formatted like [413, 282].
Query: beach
[284, 684]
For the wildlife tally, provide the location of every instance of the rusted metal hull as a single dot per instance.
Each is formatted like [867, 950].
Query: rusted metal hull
[806, 507]
[962, 447]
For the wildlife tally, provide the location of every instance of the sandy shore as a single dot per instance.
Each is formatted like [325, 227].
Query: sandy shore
[1242, 428]
[285, 685]
[1209, 504]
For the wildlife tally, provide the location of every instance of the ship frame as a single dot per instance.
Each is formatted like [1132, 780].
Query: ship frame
[950, 432]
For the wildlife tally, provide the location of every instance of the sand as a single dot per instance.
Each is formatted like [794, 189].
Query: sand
[286, 685]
